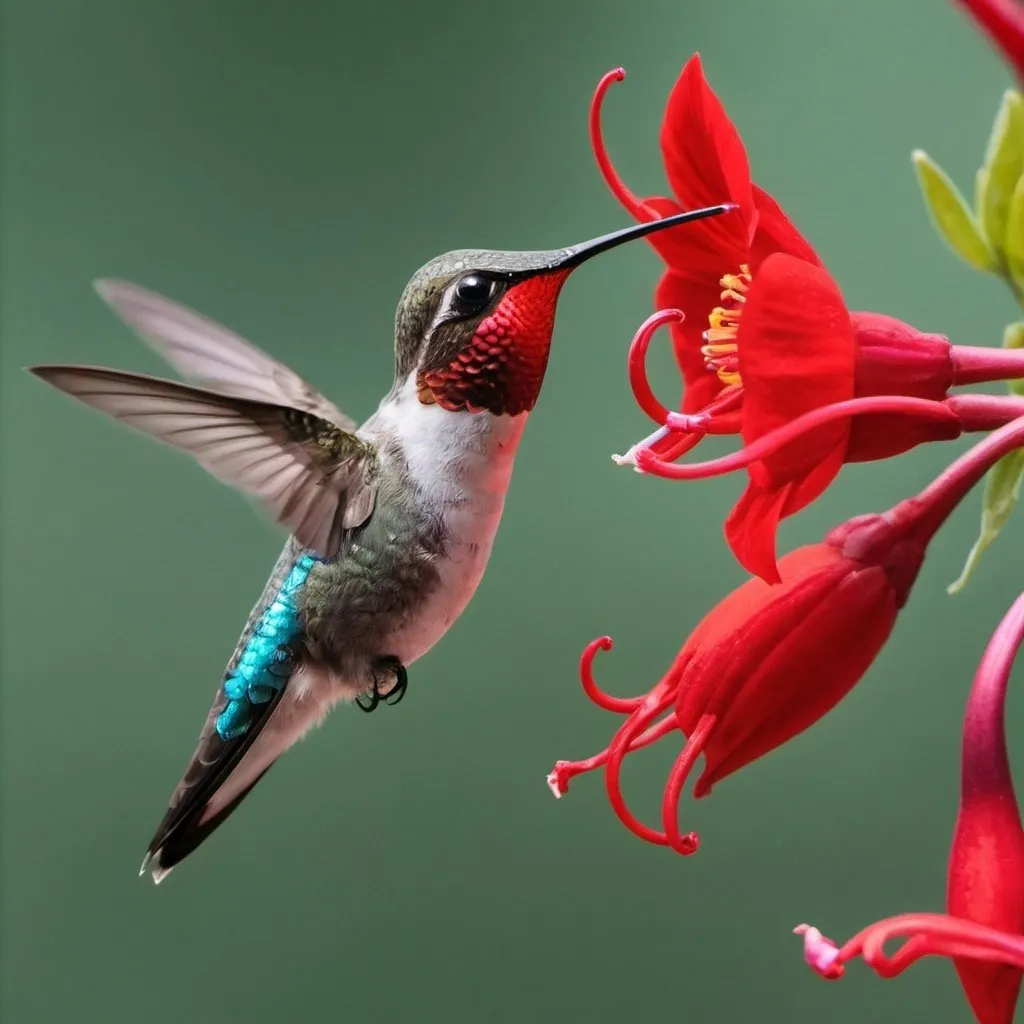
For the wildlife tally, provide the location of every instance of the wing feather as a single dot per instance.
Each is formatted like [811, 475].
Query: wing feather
[314, 477]
[206, 353]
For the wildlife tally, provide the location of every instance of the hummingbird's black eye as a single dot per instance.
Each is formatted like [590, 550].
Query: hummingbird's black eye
[472, 294]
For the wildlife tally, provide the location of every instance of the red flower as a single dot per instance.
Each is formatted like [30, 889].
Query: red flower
[791, 461]
[984, 930]
[769, 661]
[1003, 22]
[769, 336]
[704, 155]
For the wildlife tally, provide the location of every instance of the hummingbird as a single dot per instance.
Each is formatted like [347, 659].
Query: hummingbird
[391, 523]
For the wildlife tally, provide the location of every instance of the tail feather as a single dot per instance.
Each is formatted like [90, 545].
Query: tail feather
[190, 834]
[223, 772]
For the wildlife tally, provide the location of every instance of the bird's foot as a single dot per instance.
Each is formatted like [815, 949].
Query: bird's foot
[386, 667]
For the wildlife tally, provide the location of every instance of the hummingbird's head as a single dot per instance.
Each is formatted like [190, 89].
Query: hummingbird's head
[474, 326]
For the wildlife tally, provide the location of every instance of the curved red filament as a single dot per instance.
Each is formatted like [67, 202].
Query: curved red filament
[620, 705]
[565, 771]
[684, 844]
[684, 443]
[767, 445]
[657, 701]
[637, 363]
[931, 935]
[721, 416]
[631, 202]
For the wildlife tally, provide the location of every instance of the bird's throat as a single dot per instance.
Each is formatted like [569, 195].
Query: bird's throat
[502, 367]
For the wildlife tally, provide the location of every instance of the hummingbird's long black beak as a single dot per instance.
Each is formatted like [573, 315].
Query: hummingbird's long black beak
[575, 255]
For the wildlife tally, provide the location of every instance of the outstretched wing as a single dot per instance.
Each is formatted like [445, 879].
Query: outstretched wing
[208, 354]
[314, 477]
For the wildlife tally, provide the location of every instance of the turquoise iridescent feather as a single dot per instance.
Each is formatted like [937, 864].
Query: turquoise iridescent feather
[264, 664]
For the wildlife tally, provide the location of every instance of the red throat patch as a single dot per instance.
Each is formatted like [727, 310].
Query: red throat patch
[502, 368]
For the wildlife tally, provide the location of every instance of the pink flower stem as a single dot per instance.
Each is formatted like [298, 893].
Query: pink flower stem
[986, 412]
[975, 365]
[930, 509]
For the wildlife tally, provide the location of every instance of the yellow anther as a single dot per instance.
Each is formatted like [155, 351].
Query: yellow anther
[723, 326]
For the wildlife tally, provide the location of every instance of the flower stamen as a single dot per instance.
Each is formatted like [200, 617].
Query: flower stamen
[684, 844]
[565, 771]
[646, 461]
[620, 705]
[634, 206]
[659, 700]
[636, 362]
[720, 349]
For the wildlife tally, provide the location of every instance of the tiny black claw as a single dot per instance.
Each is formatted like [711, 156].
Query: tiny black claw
[401, 685]
[374, 699]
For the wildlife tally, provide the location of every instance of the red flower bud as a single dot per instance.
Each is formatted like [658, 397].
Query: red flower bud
[769, 661]
[984, 930]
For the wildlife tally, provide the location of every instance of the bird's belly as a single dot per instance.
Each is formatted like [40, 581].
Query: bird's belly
[472, 531]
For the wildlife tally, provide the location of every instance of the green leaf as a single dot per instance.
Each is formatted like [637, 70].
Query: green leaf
[953, 218]
[1013, 243]
[1002, 488]
[980, 185]
[1002, 169]
[1002, 485]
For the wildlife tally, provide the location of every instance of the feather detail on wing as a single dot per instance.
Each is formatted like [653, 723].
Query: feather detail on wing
[315, 478]
[206, 353]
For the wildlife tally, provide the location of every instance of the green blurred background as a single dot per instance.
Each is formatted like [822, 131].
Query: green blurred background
[285, 168]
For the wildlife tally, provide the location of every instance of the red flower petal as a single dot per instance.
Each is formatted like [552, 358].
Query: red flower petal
[696, 253]
[696, 297]
[776, 233]
[800, 679]
[797, 352]
[736, 636]
[747, 600]
[706, 163]
[751, 526]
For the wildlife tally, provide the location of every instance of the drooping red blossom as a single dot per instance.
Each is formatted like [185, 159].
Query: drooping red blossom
[769, 661]
[983, 931]
[1003, 22]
